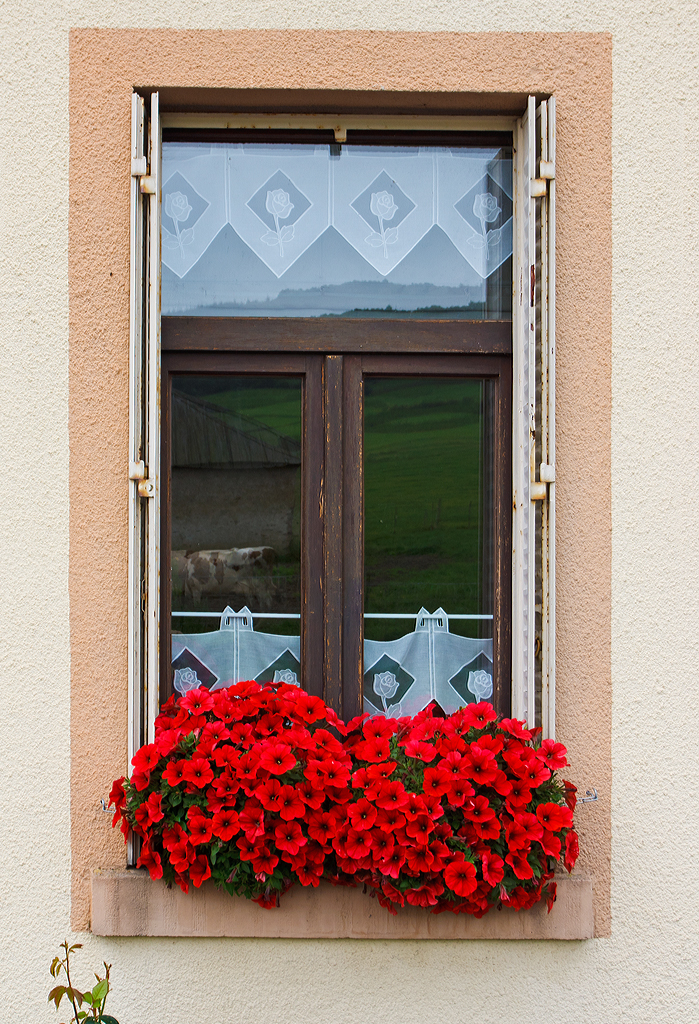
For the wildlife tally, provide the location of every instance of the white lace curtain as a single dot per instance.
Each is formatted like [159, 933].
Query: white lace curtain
[280, 200]
[401, 676]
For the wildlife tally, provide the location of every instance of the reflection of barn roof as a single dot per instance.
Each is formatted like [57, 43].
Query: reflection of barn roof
[206, 436]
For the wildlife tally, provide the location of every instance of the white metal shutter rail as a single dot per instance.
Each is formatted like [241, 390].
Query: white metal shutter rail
[144, 426]
[533, 312]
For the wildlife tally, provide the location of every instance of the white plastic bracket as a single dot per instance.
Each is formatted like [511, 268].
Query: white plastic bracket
[139, 166]
[148, 185]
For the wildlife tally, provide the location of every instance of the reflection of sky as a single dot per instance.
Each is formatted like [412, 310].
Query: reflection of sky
[338, 279]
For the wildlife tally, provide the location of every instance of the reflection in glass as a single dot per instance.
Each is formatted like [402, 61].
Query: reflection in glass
[272, 229]
[235, 521]
[428, 552]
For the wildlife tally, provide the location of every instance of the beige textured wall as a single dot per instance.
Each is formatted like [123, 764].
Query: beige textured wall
[646, 970]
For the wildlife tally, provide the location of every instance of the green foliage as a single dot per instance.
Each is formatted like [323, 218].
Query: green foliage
[94, 998]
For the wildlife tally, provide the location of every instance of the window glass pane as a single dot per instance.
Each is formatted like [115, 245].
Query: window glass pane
[428, 548]
[276, 229]
[235, 521]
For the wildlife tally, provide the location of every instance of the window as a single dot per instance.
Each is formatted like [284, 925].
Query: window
[343, 380]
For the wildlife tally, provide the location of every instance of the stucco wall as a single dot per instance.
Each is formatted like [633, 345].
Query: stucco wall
[646, 970]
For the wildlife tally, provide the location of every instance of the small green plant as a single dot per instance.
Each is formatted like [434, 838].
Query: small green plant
[94, 998]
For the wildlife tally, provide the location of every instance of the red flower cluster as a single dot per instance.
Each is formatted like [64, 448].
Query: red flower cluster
[259, 787]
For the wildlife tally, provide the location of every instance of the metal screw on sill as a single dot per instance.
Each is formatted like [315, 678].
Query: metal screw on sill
[590, 796]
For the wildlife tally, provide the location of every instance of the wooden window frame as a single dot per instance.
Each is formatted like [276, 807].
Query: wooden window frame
[333, 357]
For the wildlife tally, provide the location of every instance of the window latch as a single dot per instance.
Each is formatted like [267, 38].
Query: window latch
[139, 472]
[547, 475]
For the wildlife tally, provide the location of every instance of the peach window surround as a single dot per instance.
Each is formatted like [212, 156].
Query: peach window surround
[344, 72]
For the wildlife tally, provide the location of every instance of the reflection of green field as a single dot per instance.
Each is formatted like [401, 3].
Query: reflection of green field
[423, 529]
[276, 403]
[421, 495]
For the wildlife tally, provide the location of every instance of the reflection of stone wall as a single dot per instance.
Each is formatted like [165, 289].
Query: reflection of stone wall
[224, 508]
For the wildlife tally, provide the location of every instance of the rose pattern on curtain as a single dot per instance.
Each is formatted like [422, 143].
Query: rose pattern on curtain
[401, 676]
[280, 200]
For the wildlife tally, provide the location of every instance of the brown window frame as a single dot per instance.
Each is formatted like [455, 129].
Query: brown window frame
[333, 357]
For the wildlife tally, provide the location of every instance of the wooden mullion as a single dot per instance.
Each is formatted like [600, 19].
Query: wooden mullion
[332, 504]
[353, 538]
[502, 597]
[312, 620]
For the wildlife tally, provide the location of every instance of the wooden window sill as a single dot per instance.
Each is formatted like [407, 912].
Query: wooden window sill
[129, 903]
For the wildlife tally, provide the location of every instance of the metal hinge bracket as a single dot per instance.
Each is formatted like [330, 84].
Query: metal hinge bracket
[139, 166]
[148, 185]
[537, 488]
[139, 472]
[547, 172]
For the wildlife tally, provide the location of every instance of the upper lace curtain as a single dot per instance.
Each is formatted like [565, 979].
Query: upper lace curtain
[251, 229]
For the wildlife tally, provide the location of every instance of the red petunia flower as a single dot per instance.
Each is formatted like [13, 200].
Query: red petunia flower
[571, 851]
[554, 817]
[425, 895]
[374, 749]
[419, 829]
[390, 795]
[515, 728]
[197, 701]
[392, 863]
[288, 836]
[290, 804]
[174, 773]
[519, 864]
[199, 826]
[389, 819]
[530, 823]
[277, 758]
[553, 755]
[379, 771]
[322, 826]
[487, 829]
[200, 869]
[550, 843]
[267, 793]
[117, 796]
[225, 824]
[310, 795]
[480, 765]
[150, 859]
[479, 809]
[358, 843]
[459, 791]
[460, 876]
[477, 716]
[382, 843]
[419, 858]
[362, 814]
[415, 805]
[251, 819]
[197, 772]
[570, 791]
[534, 773]
[309, 708]
[520, 795]
[145, 759]
[436, 781]
[420, 750]
[493, 868]
[334, 773]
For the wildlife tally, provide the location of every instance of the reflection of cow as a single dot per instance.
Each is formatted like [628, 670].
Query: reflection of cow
[241, 574]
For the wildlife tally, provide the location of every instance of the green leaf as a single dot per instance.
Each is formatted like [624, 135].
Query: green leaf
[89, 998]
[56, 994]
[107, 1020]
[100, 990]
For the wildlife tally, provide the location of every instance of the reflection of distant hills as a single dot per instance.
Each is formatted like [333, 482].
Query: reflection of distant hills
[354, 298]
